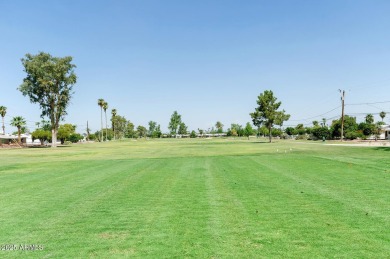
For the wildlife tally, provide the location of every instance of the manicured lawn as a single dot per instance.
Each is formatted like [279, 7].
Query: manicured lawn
[196, 198]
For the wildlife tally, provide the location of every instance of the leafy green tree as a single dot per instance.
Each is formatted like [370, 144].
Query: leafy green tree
[3, 112]
[97, 135]
[174, 123]
[300, 129]
[291, 131]
[262, 131]
[64, 132]
[120, 125]
[67, 132]
[45, 125]
[320, 132]
[233, 132]
[157, 133]
[369, 118]
[193, 134]
[382, 115]
[41, 134]
[75, 137]
[248, 130]
[316, 124]
[219, 126]
[129, 131]
[281, 117]
[350, 126]
[182, 128]
[141, 130]
[49, 83]
[18, 122]
[152, 128]
[353, 135]
[366, 128]
[237, 128]
[91, 137]
[308, 130]
[276, 132]
[267, 112]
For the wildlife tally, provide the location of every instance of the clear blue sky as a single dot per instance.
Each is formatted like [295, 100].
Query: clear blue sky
[209, 60]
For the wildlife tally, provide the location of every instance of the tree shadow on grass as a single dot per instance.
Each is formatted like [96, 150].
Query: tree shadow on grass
[383, 148]
[261, 142]
[59, 146]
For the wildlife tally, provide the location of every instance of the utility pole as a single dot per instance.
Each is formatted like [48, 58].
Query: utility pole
[342, 113]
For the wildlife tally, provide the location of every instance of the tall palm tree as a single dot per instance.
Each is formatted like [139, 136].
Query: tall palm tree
[113, 114]
[18, 122]
[381, 114]
[100, 103]
[105, 107]
[3, 111]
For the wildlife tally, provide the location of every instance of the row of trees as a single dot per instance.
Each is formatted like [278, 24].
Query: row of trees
[120, 126]
[49, 82]
[66, 132]
[265, 116]
[352, 129]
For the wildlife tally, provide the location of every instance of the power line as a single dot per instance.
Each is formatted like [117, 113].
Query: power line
[318, 115]
[350, 104]
[365, 113]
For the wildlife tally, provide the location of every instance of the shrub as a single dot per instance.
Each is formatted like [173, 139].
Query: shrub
[74, 137]
[301, 137]
[321, 132]
[352, 135]
[276, 132]
[291, 131]
[193, 134]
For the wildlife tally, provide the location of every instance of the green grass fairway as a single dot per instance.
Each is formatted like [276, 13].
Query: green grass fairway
[196, 198]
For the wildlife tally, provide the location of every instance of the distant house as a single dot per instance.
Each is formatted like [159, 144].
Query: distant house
[385, 132]
[12, 139]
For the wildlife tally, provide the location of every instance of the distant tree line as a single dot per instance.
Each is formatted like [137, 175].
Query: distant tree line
[50, 80]
[352, 129]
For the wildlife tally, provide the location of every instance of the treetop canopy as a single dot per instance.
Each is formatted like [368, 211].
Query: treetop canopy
[49, 82]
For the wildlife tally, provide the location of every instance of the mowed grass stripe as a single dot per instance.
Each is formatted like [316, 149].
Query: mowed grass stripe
[52, 215]
[175, 219]
[323, 206]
